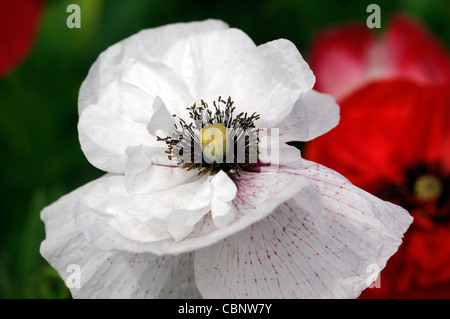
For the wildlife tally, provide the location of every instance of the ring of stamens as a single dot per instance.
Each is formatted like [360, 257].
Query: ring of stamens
[215, 140]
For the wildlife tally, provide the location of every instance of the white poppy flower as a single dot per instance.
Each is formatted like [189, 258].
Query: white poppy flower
[156, 226]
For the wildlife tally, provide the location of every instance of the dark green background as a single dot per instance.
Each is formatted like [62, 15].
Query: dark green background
[40, 155]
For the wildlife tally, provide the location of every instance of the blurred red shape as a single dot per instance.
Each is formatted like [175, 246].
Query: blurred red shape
[19, 21]
[347, 57]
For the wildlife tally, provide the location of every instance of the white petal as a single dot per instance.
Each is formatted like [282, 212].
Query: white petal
[287, 65]
[145, 45]
[314, 114]
[110, 274]
[275, 154]
[114, 219]
[353, 203]
[266, 79]
[161, 119]
[223, 187]
[156, 41]
[258, 195]
[224, 191]
[107, 129]
[222, 213]
[106, 211]
[288, 256]
[177, 226]
[148, 169]
[157, 79]
[283, 54]
[289, 155]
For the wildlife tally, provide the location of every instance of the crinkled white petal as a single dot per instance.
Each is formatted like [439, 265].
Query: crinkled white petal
[146, 45]
[266, 79]
[115, 219]
[217, 193]
[182, 218]
[293, 74]
[287, 255]
[148, 169]
[257, 196]
[109, 274]
[157, 79]
[120, 117]
[313, 115]
[107, 129]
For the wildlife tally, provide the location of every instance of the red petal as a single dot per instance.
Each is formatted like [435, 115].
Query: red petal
[430, 252]
[438, 291]
[414, 54]
[385, 128]
[339, 57]
[348, 57]
[18, 23]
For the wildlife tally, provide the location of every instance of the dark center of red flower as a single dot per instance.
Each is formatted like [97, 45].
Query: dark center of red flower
[425, 190]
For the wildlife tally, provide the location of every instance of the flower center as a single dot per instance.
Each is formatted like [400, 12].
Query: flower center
[215, 140]
[428, 187]
[425, 191]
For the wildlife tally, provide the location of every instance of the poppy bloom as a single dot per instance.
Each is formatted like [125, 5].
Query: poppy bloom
[393, 140]
[159, 112]
[18, 25]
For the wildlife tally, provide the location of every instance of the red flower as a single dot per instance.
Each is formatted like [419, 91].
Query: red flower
[18, 23]
[394, 141]
[348, 57]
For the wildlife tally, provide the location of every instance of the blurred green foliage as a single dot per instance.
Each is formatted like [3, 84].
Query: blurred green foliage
[40, 155]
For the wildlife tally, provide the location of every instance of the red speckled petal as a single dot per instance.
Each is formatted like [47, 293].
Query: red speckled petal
[287, 255]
